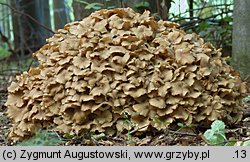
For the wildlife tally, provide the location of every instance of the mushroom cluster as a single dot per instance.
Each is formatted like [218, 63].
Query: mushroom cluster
[118, 65]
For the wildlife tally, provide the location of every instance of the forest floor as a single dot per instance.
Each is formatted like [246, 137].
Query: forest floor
[183, 136]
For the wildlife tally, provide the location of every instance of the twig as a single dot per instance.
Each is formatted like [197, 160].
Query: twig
[227, 141]
[198, 17]
[6, 40]
[27, 15]
[30, 64]
[197, 9]
[2, 72]
[138, 128]
[199, 20]
[183, 133]
[247, 77]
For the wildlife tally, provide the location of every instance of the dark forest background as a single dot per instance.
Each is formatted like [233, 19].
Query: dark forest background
[25, 24]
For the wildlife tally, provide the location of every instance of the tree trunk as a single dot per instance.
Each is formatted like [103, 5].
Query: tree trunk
[44, 17]
[241, 37]
[29, 35]
[60, 16]
[161, 7]
[79, 11]
[8, 22]
[191, 8]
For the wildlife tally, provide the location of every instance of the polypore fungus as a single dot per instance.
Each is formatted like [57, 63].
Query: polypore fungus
[118, 65]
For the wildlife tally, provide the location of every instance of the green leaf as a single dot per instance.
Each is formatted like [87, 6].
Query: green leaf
[142, 5]
[231, 142]
[82, 1]
[4, 53]
[218, 125]
[213, 138]
[180, 124]
[216, 135]
[42, 138]
[98, 136]
[204, 25]
[222, 135]
[95, 6]
[246, 99]
[111, 7]
[209, 134]
[227, 19]
[246, 143]
[68, 136]
[218, 140]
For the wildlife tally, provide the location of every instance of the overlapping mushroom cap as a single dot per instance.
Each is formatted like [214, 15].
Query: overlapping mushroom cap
[118, 65]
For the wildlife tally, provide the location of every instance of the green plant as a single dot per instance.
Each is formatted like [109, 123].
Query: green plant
[4, 53]
[246, 99]
[96, 5]
[142, 5]
[3, 118]
[184, 127]
[216, 135]
[69, 136]
[246, 143]
[43, 138]
[233, 142]
[181, 125]
[161, 122]
[88, 6]
[97, 137]
[130, 124]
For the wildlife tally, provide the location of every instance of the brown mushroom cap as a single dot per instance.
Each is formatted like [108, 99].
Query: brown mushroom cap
[118, 65]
